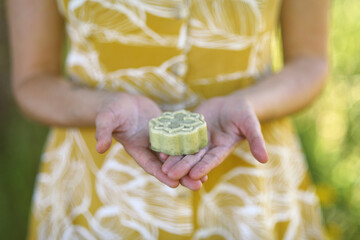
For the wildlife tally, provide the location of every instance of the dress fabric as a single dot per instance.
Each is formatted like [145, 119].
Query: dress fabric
[176, 52]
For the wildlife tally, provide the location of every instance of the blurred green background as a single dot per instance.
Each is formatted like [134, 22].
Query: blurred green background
[329, 131]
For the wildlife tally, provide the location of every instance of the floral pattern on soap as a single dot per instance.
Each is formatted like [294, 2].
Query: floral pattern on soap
[178, 133]
[178, 122]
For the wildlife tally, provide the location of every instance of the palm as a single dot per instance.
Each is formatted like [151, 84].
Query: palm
[133, 131]
[222, 131]
[229, 121]
[126, 118]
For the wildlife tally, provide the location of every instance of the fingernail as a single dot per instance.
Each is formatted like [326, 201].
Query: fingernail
[174, 184]
[174, 176]
[197, 188]
[164, 169]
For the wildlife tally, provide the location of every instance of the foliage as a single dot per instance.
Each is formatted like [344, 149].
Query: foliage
[330, 129]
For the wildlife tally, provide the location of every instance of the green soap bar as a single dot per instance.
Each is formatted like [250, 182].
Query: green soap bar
[178, 133]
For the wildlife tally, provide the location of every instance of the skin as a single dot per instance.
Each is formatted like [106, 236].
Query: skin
[36, 34]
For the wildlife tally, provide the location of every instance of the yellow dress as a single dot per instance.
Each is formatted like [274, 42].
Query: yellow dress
[176, 52]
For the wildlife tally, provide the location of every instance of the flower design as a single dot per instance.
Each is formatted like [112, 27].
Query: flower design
[177, 133]
[179, 121]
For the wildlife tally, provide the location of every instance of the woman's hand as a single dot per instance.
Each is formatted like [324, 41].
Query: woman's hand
[229, 120]
[126, 118]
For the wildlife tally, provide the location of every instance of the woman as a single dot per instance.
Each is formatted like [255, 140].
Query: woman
[130, 60]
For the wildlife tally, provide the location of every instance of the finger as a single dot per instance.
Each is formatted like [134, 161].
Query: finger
[151, 164]
[182, 167]
[103, 135]
[204, 179]
[104, 140]
[252, 132]
[211, 159]
[194, 185]
[163, 156]
[170, 161]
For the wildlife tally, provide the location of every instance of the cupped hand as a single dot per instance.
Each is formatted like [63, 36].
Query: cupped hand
[126, 118]
[229, 120]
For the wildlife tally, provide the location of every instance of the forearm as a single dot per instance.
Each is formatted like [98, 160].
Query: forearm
[54, 101]
[288, 91]
[36, 40]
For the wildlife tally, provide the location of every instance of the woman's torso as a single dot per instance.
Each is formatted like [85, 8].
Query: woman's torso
[176, 52]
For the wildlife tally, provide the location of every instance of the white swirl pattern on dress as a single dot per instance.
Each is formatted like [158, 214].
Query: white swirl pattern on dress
[271, 190]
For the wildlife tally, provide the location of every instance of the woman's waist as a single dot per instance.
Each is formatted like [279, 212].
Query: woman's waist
[171, 97]
[173, 87]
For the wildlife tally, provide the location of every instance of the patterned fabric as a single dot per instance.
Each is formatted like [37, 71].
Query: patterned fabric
[176, 52]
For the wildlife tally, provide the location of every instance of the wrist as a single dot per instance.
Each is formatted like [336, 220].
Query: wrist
[108, 98]
[240, 97]
[245, 100]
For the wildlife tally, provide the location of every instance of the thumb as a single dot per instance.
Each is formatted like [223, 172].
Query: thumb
[104, 129]
[252, 131]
